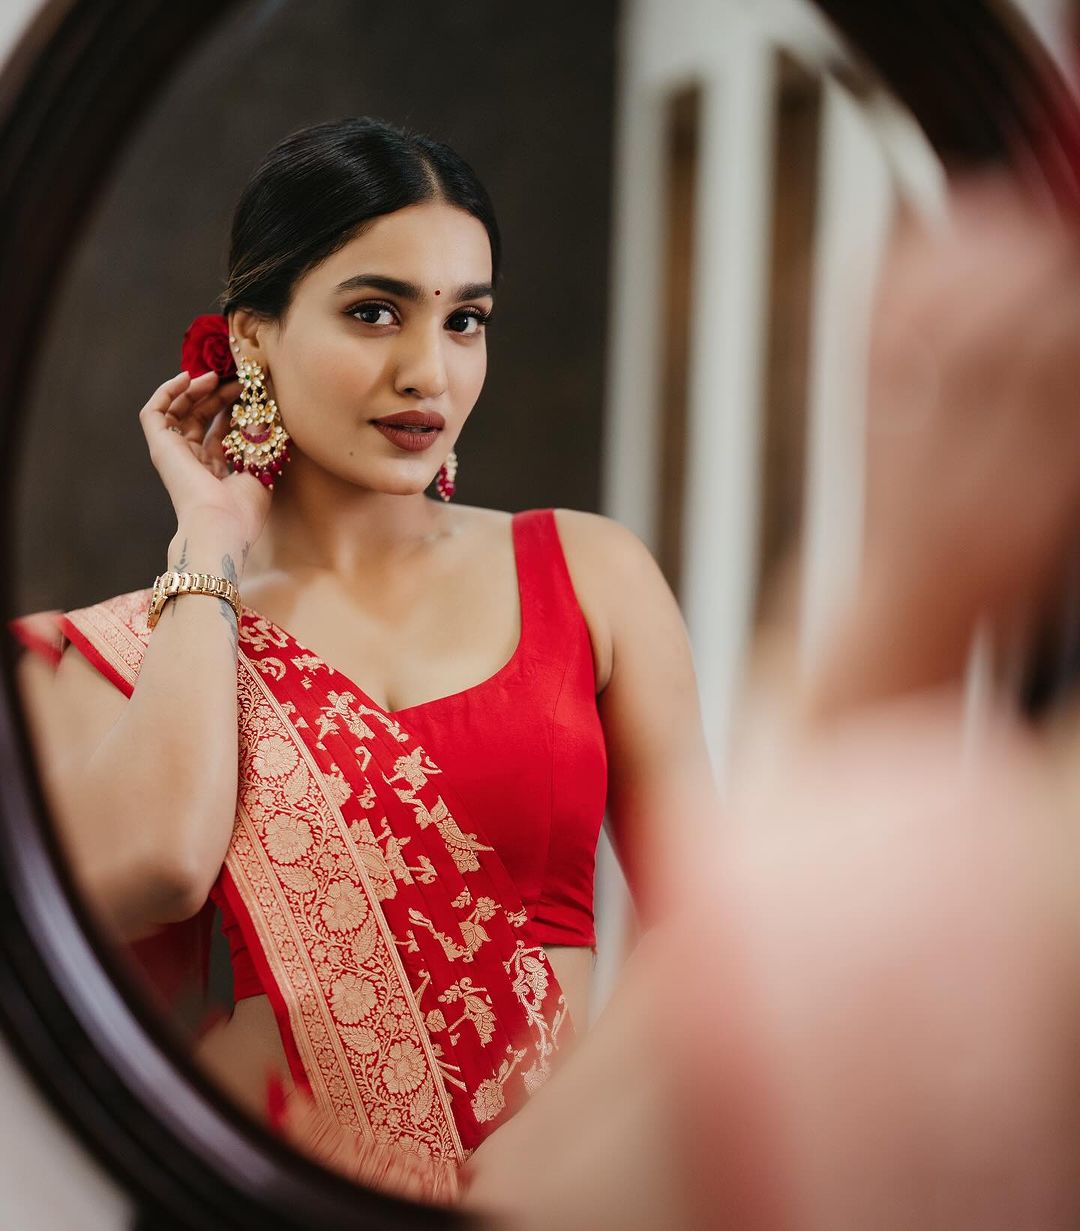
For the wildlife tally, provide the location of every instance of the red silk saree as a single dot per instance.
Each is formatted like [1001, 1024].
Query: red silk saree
[415, 1013]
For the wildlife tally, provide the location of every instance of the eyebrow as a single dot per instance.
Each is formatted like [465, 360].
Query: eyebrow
[409, 290]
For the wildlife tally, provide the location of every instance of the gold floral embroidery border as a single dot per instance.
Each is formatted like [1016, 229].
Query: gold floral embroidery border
[391, 1085]
[117, 630]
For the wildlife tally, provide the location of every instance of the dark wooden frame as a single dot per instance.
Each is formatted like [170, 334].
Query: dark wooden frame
[69, 97]
[73, 91]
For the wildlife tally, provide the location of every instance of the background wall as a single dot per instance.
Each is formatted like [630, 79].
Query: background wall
[525, 93]
[868, 155]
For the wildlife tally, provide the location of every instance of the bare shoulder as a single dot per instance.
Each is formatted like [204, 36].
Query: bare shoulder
[35, 679]
[476, 514]
[614, 576]
[604, 551]
[69, 707]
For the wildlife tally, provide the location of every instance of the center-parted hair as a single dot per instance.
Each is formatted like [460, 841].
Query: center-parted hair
[319, 187]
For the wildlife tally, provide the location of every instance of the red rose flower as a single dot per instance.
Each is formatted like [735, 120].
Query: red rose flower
[206, 348]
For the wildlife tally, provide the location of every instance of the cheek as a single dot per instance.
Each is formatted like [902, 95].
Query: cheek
[328, 370]
[470, 371]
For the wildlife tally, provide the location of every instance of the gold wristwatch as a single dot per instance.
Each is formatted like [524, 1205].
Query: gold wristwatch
[168, 585]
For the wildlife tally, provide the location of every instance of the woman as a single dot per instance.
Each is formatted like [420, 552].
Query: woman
[433, 701]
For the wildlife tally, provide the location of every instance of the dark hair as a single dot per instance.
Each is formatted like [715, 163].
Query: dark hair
[317, 189]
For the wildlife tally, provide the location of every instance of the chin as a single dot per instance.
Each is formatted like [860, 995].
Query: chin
[391, 476]
[396, 480]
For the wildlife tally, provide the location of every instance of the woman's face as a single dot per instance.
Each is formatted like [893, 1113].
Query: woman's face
[391, 323]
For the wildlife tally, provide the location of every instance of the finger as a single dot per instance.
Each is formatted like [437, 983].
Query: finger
[206, 410]
[152, 417]
[163, 397]
[166, 438]
[202, 414]
[196, 390]
[212, 455]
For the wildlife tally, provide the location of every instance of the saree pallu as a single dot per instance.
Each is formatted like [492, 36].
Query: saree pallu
[415, 1013]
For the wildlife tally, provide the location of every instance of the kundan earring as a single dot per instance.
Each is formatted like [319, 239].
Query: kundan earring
[258, 442]
[446, 476]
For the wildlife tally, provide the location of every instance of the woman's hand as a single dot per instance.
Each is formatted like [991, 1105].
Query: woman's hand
[974, 430]
[973, 466]
[185, 421]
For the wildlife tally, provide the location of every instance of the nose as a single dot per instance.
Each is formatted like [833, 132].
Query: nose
[421, 364]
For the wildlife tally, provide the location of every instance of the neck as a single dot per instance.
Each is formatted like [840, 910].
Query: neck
[318, 521]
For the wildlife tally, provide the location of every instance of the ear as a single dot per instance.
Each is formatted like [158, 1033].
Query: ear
[247, 335]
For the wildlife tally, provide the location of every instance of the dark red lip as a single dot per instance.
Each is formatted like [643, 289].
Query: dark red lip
[411, 430]
[413, 418]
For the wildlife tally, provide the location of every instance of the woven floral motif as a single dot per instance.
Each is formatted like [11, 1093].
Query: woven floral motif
[418, 1014]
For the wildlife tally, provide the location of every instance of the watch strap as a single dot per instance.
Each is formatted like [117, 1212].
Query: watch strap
[174, 582]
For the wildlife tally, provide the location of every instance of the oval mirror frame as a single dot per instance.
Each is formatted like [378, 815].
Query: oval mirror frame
[71, 93]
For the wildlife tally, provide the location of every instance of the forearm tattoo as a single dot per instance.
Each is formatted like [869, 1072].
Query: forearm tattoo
[228, 571]
[180, 566]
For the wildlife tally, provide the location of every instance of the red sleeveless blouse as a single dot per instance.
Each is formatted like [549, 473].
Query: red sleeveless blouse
[525, 752]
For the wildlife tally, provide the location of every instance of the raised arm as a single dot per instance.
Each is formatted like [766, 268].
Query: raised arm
[144, 790]
[973, 491]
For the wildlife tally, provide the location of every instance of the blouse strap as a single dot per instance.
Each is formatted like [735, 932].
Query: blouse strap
[547, 591]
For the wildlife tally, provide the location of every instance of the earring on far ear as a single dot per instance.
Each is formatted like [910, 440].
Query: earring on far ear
[258, 442]
[446, 476]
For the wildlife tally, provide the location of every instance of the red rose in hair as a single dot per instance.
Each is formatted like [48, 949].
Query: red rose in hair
[206, 348]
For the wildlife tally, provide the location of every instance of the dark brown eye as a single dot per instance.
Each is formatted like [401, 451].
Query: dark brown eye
[467, 322]
[369, 313]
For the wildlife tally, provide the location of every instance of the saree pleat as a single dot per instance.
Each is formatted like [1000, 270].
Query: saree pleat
[415, 1013]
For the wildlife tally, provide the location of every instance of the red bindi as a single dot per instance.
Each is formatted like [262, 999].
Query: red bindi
[438, 292]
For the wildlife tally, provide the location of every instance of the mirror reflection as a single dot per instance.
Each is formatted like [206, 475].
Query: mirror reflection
[335, 668]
